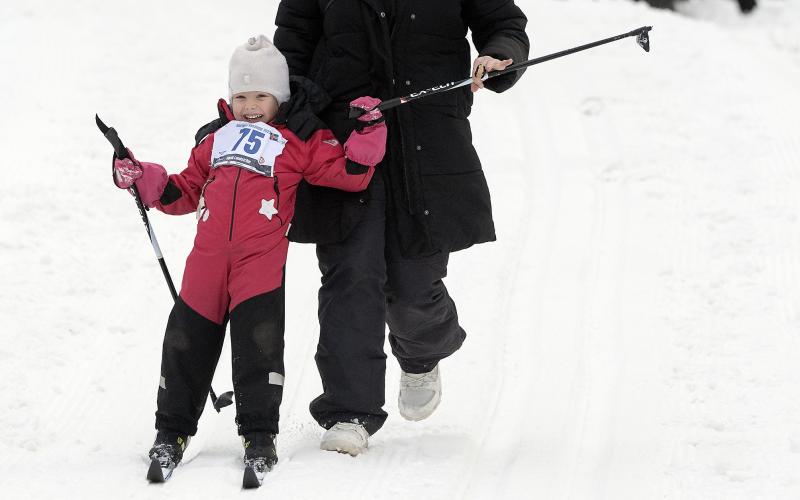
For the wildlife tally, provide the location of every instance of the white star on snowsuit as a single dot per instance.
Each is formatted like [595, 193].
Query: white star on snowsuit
[268, 208]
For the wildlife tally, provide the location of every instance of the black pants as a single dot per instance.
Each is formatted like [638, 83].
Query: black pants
[192, 345]
[366, 285]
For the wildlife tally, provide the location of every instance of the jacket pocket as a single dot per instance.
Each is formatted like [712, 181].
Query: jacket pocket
[202, 210]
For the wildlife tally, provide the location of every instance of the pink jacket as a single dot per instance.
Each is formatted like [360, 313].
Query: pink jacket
[243, 216]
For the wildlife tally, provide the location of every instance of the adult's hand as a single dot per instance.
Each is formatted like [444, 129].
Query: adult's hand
[485, 64]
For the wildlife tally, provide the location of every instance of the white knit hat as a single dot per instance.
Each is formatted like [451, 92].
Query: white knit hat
[259, 66]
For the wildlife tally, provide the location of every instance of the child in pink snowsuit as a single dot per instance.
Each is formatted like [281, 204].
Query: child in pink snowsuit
[241, 181]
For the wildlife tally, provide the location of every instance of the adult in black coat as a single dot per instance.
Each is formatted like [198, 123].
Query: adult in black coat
[384, 252]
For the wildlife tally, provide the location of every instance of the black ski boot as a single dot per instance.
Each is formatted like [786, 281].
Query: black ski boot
[165, 455]
[259, 457]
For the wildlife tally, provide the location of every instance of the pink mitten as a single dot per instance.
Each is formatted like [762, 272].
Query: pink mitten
[370, 105]
[150, 178]
[367, 146]
[152, 182]
[126, 171]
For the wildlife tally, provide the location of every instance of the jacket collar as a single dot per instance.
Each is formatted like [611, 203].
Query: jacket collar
[224, 110]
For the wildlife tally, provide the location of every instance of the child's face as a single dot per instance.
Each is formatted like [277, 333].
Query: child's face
[254, 106]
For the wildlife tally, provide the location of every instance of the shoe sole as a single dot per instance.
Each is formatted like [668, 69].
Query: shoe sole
[342, 446]
[419, 414]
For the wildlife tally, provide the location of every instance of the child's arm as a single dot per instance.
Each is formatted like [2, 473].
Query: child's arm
[182, 191]
[349, 168]
[176, 194]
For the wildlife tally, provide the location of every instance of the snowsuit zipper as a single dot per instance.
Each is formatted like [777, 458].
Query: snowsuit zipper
[233, 204]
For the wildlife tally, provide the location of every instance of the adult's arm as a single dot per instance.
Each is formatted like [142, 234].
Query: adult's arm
[299, 28]
[498, 30]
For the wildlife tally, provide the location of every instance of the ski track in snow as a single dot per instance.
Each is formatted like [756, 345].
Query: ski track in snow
[631, 335]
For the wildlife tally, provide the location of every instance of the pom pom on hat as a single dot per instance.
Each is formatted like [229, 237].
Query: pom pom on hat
[259, 66]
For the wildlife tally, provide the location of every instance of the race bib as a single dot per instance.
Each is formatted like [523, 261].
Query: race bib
[252, 146]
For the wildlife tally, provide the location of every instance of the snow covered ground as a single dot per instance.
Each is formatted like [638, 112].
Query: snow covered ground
[633, 334]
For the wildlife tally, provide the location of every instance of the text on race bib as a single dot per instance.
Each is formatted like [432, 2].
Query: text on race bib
[252, 146]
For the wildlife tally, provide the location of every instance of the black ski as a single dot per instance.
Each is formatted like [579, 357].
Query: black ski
[259, 458]
[158, 474]
[251, 478]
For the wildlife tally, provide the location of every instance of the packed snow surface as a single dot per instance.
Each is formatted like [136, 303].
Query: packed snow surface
[632, 334]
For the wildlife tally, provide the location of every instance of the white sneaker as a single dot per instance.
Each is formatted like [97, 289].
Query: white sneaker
[345, 437]
[420, 394]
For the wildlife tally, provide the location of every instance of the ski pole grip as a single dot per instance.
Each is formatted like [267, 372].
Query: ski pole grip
[116, 143]
[355, 112]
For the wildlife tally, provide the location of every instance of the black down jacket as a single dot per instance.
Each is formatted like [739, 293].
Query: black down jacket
[438, 197]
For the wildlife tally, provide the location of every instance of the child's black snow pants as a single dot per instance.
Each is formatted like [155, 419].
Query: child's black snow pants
[192, 346]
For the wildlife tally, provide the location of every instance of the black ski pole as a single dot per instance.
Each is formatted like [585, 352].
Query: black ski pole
[120, 151]
[641, 35]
